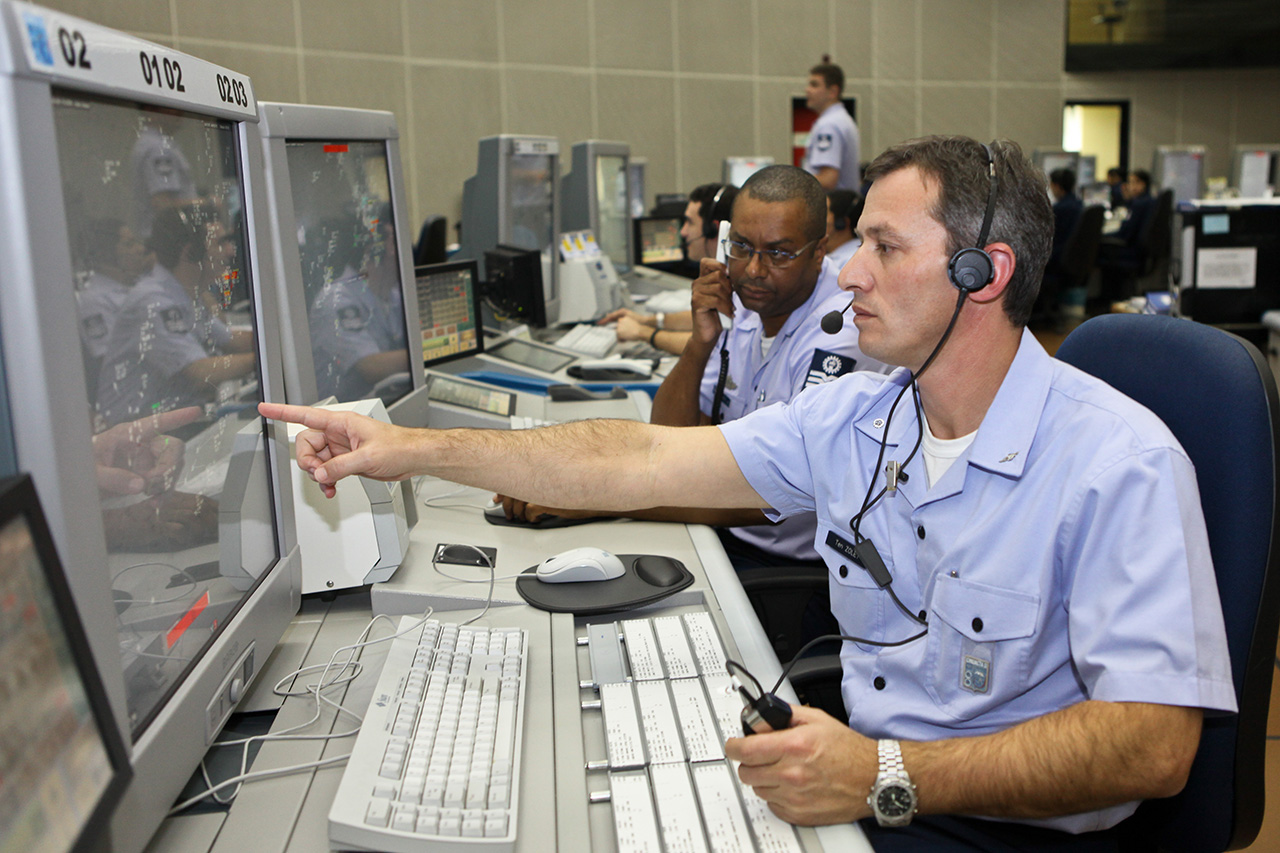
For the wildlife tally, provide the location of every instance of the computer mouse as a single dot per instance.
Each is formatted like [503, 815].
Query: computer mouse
[659, 571]
[580, 564]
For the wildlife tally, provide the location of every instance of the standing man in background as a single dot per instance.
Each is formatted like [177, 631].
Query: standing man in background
[832, 155]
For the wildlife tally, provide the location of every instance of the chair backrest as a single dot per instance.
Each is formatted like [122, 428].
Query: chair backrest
[433, 240]
[1218, 397]
[1155, 243]
[1081, 250]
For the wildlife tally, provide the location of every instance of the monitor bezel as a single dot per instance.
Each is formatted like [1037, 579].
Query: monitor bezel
[280, 124]
[18, 500]
[582, 179]
[51, 432]
[449, 267]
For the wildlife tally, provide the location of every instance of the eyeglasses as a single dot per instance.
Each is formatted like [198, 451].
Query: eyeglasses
[773, 258]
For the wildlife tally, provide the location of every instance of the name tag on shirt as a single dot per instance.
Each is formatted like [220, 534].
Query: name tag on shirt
[827, 366]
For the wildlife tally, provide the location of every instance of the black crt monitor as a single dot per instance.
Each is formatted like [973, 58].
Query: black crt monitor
[596, 195]
[736, 170]
[166, 494]
[63, 763]
[1255, 171]
[1180, 169]
[657, 240]
[449, 305]
[343, 257]
[513, 199]
[513, 288]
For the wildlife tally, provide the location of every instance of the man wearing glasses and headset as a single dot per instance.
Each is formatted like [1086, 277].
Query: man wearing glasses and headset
[777, 286]
[1040, 632]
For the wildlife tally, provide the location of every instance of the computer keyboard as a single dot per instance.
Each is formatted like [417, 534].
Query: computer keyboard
[588, 339]
[667, 705]
[436, 764]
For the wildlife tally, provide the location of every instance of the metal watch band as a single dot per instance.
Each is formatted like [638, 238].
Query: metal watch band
[890, 752]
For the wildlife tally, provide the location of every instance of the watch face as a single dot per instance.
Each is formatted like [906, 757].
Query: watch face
[894, 800]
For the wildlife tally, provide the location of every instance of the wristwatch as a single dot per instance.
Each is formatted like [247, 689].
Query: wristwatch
[893, 798]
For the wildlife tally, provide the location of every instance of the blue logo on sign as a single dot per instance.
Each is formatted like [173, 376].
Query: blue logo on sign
[39, 38]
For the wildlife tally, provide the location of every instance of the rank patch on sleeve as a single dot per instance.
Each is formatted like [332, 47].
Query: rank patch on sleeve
[827, 366]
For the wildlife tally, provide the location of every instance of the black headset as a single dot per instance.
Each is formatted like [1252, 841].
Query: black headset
[709, 211]
[971, 269]
[841, 217]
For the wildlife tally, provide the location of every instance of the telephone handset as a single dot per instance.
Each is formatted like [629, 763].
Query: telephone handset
[724, 235]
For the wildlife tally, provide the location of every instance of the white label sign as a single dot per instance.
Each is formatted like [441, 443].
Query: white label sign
[1226, 268]
[76, 51]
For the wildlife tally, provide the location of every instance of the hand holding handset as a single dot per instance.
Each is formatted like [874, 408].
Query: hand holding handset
[721, 257]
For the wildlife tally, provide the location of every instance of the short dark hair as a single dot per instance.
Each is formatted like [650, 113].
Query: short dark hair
[1064, 178]
[99, 242]
[846, 205]
[1142, 175]
[1023, 217]
[177, 228]
[781, 183]
[705, 196]
[831, 74]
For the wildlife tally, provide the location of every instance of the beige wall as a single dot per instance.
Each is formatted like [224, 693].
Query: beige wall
[685, 82]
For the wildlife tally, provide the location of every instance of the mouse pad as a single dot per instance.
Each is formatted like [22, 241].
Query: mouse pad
[550, 522]
[640, 584]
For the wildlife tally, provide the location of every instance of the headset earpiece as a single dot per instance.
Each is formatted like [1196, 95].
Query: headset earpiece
[711, 215]
[972, 269]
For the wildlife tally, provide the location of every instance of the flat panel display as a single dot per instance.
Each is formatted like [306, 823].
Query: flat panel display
[613, 206]
[156, 222]
[350, 268]
[62, 764]
[658, 239]
[449, 307]
[539, 358]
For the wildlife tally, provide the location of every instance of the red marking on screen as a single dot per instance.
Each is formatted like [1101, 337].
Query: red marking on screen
[335, 149]
[176, 632]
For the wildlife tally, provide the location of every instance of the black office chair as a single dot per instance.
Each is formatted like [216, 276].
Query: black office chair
[1217, 395]
[1076, 264]
[1133, 270]
[433, 240]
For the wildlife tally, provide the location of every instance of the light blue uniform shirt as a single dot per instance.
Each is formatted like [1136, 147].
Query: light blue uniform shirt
[833, 141]
[802, 355]
[348, 323]
[1063, 557]
[159, 331]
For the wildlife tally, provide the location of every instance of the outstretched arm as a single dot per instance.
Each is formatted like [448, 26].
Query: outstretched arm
[601, 464]
[1088, 756]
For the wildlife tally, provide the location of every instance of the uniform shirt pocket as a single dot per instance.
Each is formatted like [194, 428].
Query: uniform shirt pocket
[979, 645]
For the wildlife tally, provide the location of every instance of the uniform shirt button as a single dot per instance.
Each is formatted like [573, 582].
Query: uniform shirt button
[920, 531]
[844, 571]
[879, 682]
[977, 625]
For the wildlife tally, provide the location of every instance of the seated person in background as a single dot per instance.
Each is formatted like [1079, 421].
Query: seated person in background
[1115, 187]
[358, 326]
[1119, 254]
[843, 209]
[1067, 208]
[777, 287]
[115, 259]
[709, 205]
[169, 348]
[1054, 633]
